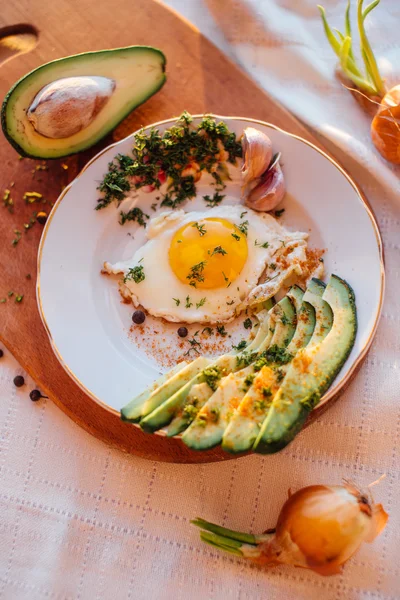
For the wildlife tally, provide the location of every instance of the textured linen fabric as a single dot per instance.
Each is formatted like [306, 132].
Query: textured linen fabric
[79, 520]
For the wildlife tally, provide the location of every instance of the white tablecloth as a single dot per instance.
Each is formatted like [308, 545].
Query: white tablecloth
[81, 521]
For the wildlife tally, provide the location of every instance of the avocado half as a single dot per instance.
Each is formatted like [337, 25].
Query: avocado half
[137, 71]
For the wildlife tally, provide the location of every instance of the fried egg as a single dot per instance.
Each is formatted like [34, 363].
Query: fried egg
[205, 266]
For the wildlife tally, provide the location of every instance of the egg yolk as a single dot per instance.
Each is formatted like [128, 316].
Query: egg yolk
[208, 254]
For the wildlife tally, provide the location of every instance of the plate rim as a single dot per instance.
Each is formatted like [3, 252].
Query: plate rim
[332, 392]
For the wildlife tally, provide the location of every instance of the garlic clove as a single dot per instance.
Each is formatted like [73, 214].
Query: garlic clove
[68, 105]
[268, 191]
[257, 154]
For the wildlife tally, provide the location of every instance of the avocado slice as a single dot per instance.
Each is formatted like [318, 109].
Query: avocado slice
[137, 72]
[243, 428]
[211, 421]
[311, 372]
[132, 411]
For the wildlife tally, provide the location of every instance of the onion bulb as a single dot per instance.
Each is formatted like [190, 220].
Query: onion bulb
[319, 528]
[385, 127]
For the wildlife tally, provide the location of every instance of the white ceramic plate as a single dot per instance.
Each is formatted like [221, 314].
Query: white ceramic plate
[82, 310]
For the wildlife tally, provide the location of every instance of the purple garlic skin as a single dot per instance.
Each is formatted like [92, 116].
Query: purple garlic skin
[268, 190]
[257, 154]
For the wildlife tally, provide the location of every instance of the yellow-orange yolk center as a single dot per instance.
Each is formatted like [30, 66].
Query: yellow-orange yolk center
[208, 254]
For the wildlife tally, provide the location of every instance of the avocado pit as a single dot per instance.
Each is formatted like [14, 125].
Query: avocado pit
[69, 105]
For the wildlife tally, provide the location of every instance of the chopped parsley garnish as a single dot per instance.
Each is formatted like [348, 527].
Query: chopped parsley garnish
[136, 274]
[10, 294]
[180, 147]
[214, 414]
[266, 392]
[221, 330]
[272, 266]
[188, 303]
[212, 375]
[241, 345]
[200, 228]
[279, 375]
[279, 213]
[260, 405]
[208, 330]
[177, 301]
[189, 412]
[245, 359]
[262, 245]
[248, 323]
[214, 200]
[194, 345]
[230, 303]
[273, 355]
[249, 380]
[135, 214]
[19, 298]
[226, 278]
[285, 320]
[236, 236]
[219, 250]
[243, 213]
[244, 227]
[196, 273]
[201, 302]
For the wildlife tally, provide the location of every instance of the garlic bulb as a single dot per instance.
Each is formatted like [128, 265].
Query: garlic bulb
[268, 191]
[257, 154]
[319, 528]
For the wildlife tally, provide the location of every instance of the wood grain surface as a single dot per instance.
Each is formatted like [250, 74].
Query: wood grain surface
[199, 79]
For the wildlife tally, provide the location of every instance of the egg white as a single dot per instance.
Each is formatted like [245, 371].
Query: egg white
[156, 293]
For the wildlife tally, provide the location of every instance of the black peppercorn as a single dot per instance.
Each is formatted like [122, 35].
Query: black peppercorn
[182, 331]
[19, 381]
[138, 317]
[41, 217]
[35, 395]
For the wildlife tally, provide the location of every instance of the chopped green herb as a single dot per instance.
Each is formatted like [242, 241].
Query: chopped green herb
[219, 250]
[230, 303]
[188, 303]
[19, 298]
[136, 274]
[272, 266]
[194, 345]
[189, 412]
[221, 330]
[247, 323]
[243, 227]
[10, 294]
[225, 277]
[135, 214]
[3, 300]
[279, 213]
[266, 392]
[214, 200]
[273, 355]
[200, 228]
[241, 345]
[196, 273]
[249, 381]
[262, 245]
[236, 236]
[177, 301]
[279, 375]
[243, 213]
[201, 302]
[284, 320]
[260, 405]
[214, 414]
[212, 375]
[154, 206]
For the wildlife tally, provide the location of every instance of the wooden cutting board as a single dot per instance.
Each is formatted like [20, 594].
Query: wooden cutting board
[199, 79]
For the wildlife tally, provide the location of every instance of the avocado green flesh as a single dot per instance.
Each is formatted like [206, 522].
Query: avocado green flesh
[211, 422]
[132, 412]
[311, 372]
[204, 434]
[138, 72]
[244, 426]
[173, 384]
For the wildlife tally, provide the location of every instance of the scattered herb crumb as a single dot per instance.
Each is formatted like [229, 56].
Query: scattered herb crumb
[279, 213]
[219, 250]
[247, 323]
[188, 303]
[19, 298]
[201, 302]
[136, 274]
[135, 214]
[177, 301]
[221, 330]
[200, 228]
[214, 200]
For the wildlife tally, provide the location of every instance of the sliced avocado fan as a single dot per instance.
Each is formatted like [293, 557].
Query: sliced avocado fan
[69, 104]
[312, 370]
